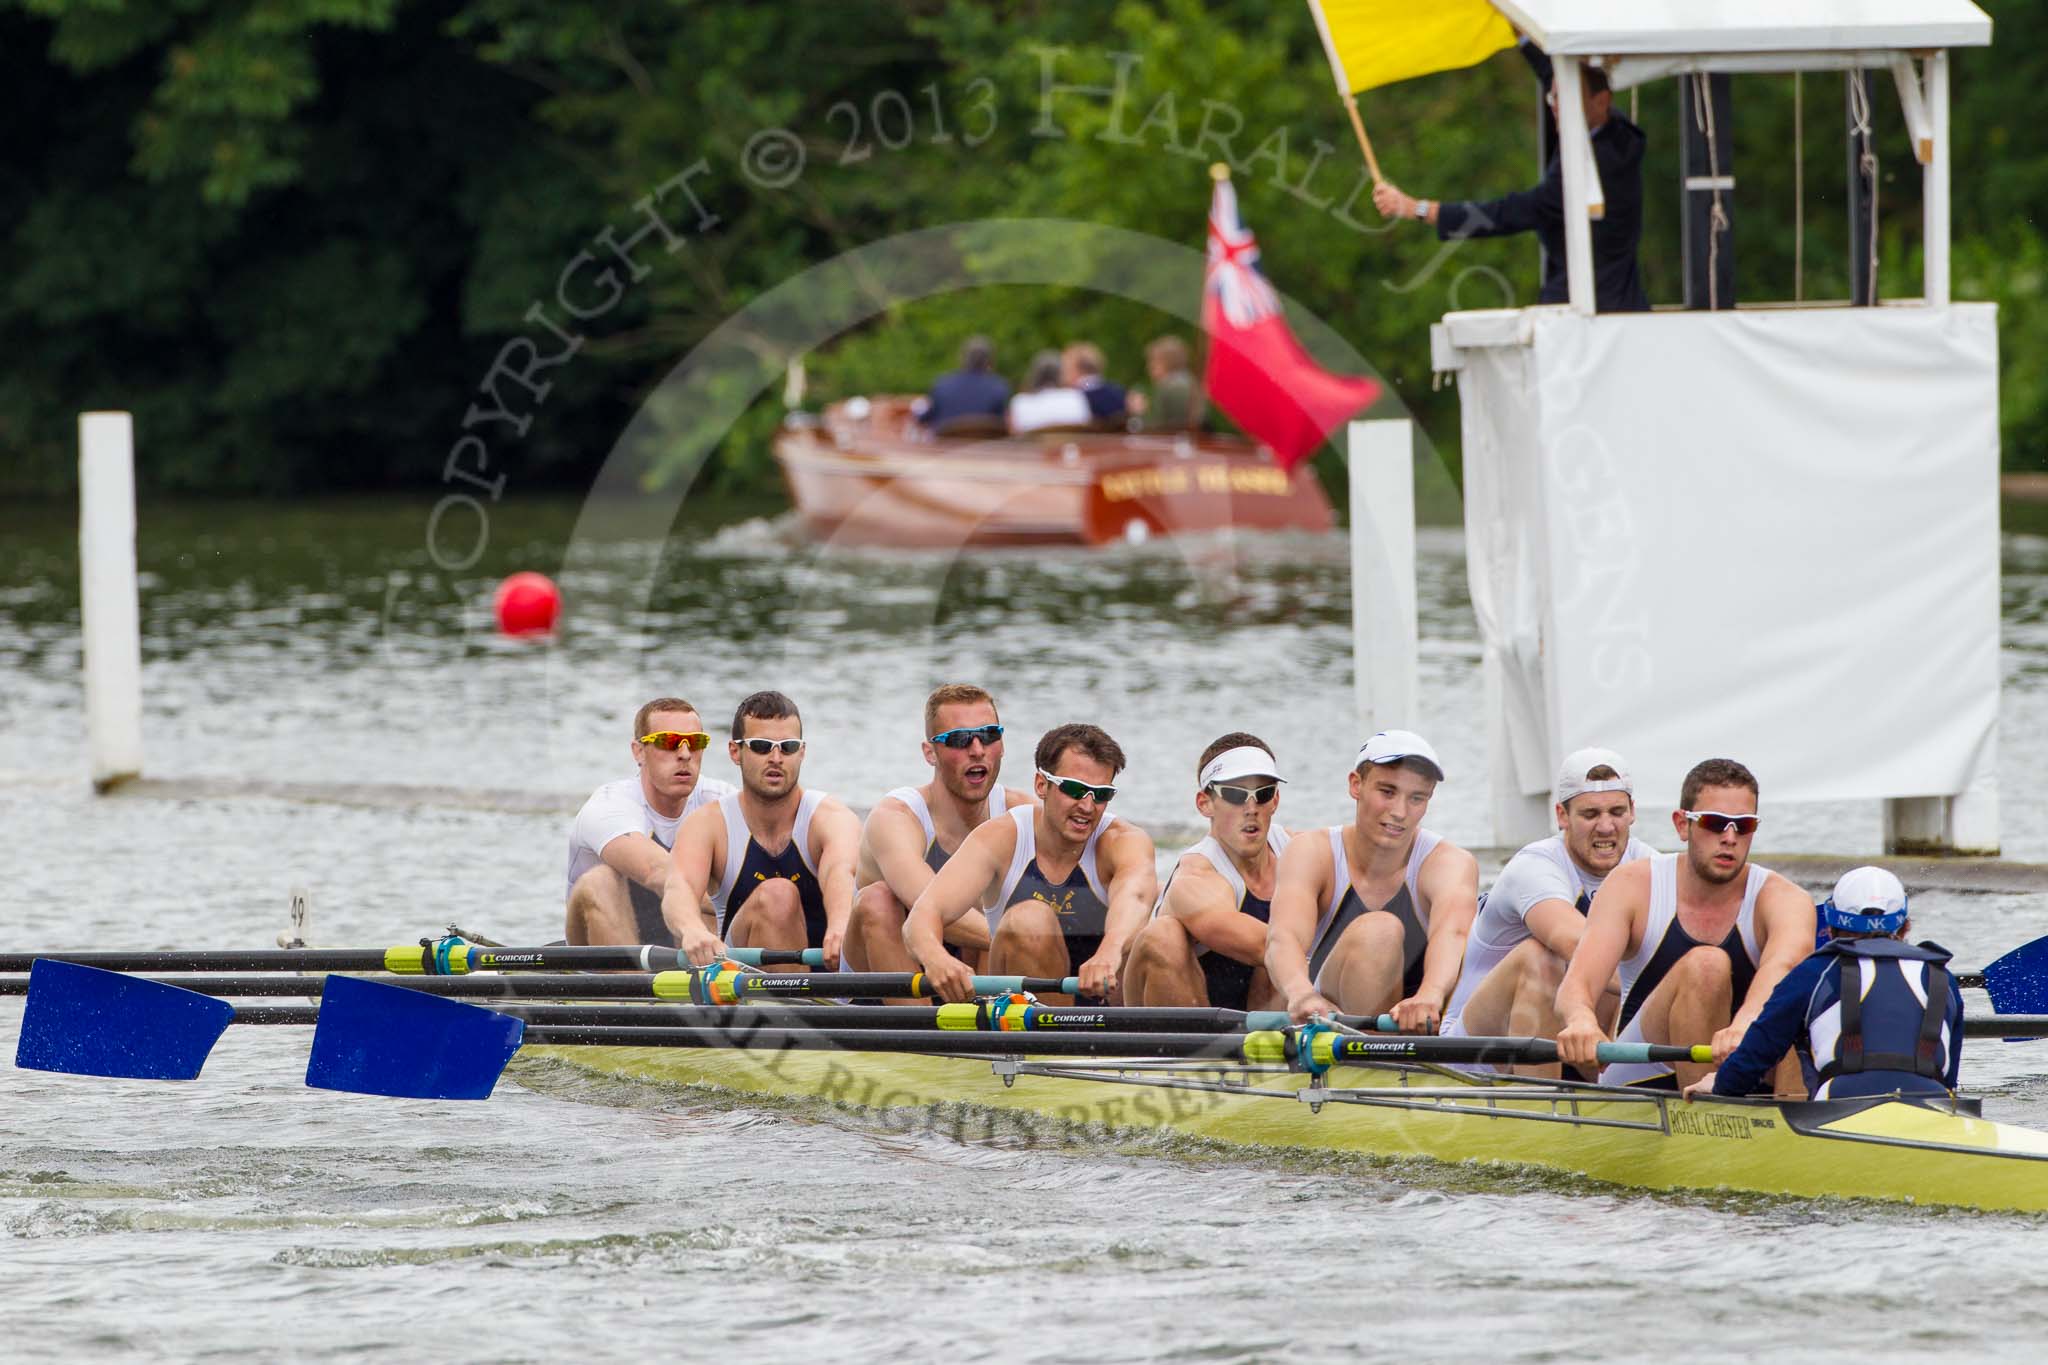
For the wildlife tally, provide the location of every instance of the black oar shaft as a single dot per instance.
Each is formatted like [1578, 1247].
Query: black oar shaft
[405, 958]
[795, 1015]
[930, 1041]
[571, 986]
[2005, 1026]
[602, 986]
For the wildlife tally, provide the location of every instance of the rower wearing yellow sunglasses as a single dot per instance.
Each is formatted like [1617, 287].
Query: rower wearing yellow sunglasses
[619, 843]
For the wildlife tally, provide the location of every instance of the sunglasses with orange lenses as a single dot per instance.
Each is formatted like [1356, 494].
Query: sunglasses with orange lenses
[676, 739]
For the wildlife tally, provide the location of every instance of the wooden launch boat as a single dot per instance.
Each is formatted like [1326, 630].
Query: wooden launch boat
[863, 473]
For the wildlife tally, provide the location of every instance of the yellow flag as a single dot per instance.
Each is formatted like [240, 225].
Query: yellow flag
[1378, 42]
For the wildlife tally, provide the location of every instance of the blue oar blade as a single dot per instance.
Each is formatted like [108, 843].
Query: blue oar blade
[2018, 982]
[374, 1039]
[90, 1022]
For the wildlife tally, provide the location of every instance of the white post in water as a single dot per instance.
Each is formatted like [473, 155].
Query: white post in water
[110, 609]
[1383, 629]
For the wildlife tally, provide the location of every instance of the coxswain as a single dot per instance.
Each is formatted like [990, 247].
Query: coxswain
[1066, 884]
[1372, 918]
[1898, 1031]
[1530, 922]
[620, 841]
[1701, 937]
[778, 860]
[912, 831]
[1206, 941]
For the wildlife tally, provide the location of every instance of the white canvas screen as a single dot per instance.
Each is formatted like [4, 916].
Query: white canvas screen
[1769, 535]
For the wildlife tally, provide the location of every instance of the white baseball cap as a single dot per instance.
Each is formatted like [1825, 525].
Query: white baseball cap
[1391, 746]
[1243, 761]
[1867, 900]
[1572, 780]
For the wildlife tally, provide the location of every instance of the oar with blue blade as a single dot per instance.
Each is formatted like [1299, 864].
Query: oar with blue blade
[90, 1022]
[2018, 982]
[375, 1039]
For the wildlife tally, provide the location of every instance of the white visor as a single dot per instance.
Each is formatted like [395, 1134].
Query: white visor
[1243, 761]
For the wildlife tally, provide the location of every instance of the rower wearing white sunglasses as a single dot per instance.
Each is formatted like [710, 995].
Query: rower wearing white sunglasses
[1701, 937]
[780, 860]
[1206, 942]
[1066, 884]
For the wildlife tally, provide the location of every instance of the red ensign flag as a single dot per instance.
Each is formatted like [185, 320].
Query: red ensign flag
[1257, 372]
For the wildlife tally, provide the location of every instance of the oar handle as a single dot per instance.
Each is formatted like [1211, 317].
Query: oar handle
[1280, 1019]
[1654, 1052]
[813, 958]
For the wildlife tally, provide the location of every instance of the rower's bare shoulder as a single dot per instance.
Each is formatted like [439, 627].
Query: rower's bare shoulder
[996, 838]
[1629, 882]
[1124, 840]
[1780, 890]
[890, 817]
[1195, 887]
[1306, 858]
[1449, 860]
[705, 822]
[1014, 797]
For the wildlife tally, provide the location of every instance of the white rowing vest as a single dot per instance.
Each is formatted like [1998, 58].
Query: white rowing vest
[739, 842]
[1543, 870]
[1338, 916]
[1023, 864]
[1641, 973]
[934, 856]
[1218, 857]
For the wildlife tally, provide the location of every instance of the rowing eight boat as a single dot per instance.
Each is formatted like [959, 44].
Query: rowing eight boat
[1881, 1149]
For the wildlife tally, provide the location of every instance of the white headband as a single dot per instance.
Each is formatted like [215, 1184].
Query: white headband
[1243, 761]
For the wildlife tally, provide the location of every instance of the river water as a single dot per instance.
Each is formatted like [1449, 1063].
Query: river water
[304, 666]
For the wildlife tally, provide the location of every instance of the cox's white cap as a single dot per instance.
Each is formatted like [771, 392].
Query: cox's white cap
[1867, 900]
[1391, 746]
[1869, 891]
[1572, 780]
[1243, 761]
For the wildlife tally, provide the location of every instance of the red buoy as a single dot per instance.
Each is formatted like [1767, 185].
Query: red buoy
[527, 604]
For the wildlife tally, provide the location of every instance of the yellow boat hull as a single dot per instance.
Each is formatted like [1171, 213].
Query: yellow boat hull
[1883, 1149]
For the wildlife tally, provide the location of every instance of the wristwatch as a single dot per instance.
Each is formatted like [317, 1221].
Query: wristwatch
[1422, 207]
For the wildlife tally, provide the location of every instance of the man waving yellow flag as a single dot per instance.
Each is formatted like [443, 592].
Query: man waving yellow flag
[1377, 42]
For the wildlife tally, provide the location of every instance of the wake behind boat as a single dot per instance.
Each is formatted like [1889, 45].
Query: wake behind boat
[857, 478]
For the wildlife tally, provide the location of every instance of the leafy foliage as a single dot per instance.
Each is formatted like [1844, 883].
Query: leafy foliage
[293, 235]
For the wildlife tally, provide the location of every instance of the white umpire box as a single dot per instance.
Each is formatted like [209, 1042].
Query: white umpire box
[1769, 532]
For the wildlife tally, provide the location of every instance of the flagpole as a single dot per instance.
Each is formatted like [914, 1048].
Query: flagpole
[1372, 163]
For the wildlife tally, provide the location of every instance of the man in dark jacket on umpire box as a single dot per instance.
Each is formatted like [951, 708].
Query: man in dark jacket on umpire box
[1617, 153]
